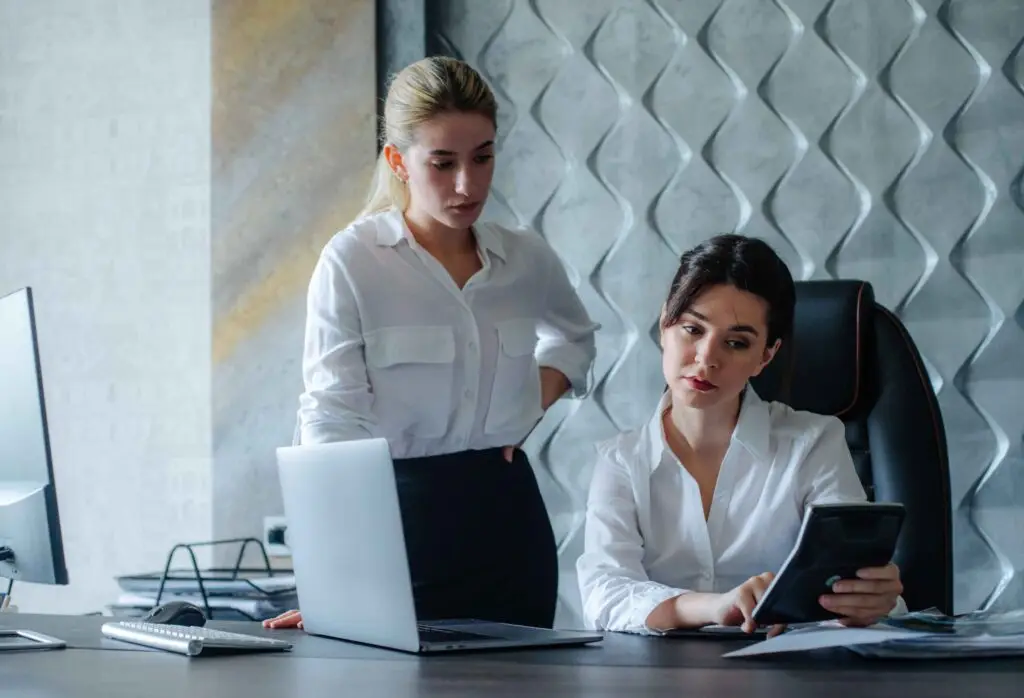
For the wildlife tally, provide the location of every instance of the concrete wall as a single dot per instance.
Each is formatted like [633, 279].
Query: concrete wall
[104, 211]
[879, 140]
[169, 173]
[294, 103]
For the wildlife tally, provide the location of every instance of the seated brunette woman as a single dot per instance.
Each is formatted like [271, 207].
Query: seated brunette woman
[689, 517]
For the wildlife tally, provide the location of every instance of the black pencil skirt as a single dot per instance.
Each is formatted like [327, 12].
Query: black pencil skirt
[479, 540]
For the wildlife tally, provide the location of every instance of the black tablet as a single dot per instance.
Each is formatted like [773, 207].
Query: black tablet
[835, 541]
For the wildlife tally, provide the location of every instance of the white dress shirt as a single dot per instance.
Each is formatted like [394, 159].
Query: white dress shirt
[646, 539]
[394, 348]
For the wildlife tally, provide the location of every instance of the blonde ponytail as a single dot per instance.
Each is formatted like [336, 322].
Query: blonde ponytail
[418, 93]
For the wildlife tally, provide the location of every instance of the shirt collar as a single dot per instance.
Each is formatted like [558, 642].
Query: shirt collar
[392, 229]
[752, 430]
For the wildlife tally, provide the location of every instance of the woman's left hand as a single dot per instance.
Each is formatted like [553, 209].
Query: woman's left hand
[553, 385]
[867, 599]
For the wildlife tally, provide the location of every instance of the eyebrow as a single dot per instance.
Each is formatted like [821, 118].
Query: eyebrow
[449, 152]
[735, 328]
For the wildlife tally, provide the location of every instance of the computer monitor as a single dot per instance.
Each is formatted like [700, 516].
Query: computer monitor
[31, 547]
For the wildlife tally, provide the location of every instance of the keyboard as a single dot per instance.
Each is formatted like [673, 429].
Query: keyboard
[430, 633]
[189, 641]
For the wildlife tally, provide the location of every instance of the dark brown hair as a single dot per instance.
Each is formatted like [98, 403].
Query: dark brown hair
[749, 264]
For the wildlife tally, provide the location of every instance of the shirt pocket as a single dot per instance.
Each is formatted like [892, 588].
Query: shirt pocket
[411, 370]
[515, 395]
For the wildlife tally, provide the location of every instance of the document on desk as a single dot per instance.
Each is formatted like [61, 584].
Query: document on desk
[821, 636]
[910, 636]
[975, 634]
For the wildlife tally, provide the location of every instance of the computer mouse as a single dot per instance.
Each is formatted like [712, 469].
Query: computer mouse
[176, 613]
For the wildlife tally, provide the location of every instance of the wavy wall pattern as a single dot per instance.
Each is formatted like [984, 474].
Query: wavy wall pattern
[883, 141]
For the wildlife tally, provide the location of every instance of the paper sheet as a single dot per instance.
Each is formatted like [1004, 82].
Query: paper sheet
[822, 636]
[255, 586]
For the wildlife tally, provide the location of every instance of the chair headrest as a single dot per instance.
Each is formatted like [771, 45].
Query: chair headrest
[828, 351]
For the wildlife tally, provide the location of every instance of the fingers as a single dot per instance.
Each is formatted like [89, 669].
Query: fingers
[750, 594]
[868, 586]
[866, 608]
[737, 606]
[890, 572]
[509, 452]
[777, 630]
[745, 603]
[285, 620]
[289, 622]
[289, 619]
[868, 598]
[841, 601]
[270, 622]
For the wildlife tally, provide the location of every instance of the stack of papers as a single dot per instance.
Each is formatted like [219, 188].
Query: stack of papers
[821, 636]
[981, 634]
[221, 607]
[229, 597]
[924, 635]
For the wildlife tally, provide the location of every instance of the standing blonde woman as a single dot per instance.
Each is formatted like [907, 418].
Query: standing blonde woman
[450, 338]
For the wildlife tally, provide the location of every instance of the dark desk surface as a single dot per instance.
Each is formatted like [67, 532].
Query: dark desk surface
[622, 665]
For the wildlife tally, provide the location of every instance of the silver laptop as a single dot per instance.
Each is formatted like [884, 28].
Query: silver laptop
[351, 569]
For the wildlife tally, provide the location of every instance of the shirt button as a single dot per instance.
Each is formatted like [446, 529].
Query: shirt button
[472, 346]
[705, 575]
[468, 394]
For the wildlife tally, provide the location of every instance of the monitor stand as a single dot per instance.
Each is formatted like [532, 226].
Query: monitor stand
[21, 640]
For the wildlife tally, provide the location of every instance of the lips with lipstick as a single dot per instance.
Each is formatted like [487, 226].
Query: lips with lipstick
[700, 385]
[468, 207]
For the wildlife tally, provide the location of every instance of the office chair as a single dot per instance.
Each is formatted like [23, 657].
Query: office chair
[852, 358]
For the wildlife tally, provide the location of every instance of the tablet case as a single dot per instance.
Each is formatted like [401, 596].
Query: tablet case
[835, 541]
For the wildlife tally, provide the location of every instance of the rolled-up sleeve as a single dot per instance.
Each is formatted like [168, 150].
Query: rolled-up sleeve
[617, 594]
[336, 404]
[566, 331]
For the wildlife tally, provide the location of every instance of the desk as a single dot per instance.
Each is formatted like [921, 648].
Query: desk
[622, 665]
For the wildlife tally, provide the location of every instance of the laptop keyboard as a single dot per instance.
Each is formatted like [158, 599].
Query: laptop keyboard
[430, 633]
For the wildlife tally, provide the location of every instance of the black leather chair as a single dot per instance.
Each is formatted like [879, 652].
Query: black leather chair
[852, 358]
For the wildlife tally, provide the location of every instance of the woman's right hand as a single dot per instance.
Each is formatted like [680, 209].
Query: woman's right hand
[736, 607]
[289, 619]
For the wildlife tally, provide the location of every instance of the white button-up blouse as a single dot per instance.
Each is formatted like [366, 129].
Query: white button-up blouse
[646, 539]
[394, 348]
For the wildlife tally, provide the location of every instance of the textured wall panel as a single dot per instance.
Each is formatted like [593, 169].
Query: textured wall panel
[880, 140]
